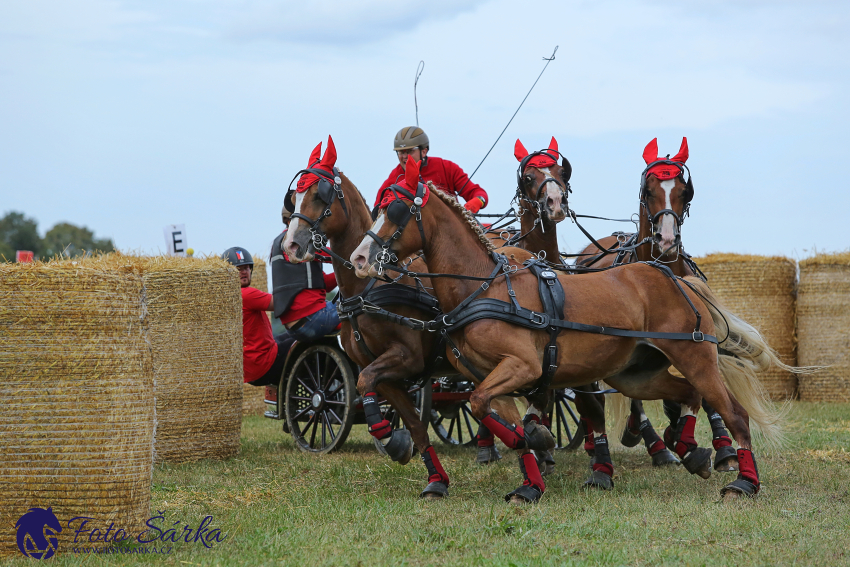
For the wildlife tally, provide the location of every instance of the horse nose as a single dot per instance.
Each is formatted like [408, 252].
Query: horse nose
[359, 261]
[292, 250]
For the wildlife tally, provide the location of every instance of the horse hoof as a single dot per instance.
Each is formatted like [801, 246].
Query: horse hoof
[538, 437]
[524, 495]
[400, 446]
[726, 459]
[487, 455]
[665, 458]
[698, 462]
[599, 479]
[435, 491]
[545, 462]
[738, 488]
[630, 438]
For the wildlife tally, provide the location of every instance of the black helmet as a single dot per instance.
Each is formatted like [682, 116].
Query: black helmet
[238, 256]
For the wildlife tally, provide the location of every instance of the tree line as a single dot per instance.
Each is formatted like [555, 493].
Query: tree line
[17, 232]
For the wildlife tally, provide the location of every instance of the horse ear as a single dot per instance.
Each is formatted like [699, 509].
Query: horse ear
[650, 152]
[317, 153]
[567, 169]
[553, 145]
[411, 173]
[519, 150]
[682, 156]
[329, 159]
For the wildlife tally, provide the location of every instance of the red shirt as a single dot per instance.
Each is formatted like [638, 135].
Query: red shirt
[446, 175]
[308, 301]
[259, 348]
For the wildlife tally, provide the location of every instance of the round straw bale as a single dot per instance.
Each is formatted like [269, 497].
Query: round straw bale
[76, 397]
[823, 317]
[760, 290]
[253, 397]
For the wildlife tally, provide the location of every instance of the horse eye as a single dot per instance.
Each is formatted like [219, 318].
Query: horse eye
[528, 179]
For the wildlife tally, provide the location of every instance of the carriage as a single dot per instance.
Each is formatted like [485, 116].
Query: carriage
[318, 388]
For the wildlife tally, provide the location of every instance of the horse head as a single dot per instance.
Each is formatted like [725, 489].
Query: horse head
[542, 184]
[388, 240]
[317, 206]
[665, 196]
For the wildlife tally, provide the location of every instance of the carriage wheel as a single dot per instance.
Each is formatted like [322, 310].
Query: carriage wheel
[421, 398]
[565, 423]
[452, 420]
[320, 391]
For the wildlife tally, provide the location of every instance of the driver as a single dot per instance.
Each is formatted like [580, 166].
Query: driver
[446, 175]
[300, 292]
[263, 354]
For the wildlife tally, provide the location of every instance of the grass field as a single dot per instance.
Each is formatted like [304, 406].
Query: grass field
[282, 507]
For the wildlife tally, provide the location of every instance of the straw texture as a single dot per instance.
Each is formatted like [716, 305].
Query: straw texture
[76, 397]
[253, 397]
[761, 290]
[823, 318]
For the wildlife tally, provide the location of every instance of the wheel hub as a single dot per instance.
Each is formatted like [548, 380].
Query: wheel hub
[317, 400]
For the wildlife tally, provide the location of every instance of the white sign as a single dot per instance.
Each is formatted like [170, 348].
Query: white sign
[175, 239]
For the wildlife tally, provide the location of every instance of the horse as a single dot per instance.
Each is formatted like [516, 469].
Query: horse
[664, 202]
[639, 321]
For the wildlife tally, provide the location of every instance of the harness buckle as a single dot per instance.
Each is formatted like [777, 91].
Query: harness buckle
[357, 336]
[485, 286]
[456, 352]
[698, 337]
[540, 316]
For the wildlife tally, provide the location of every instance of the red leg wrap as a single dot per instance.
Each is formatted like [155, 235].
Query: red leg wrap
[531, 472]
[722, 441]
[513, 437]
[588, 436]
[603, 456]
[747, 467]
[632, 424]
[546, 422]
[656, 447]
[435, 469]
[687, 442]
[381, 430]
[485, 437]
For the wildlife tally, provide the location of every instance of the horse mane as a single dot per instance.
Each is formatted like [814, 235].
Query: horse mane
[356, 190]
[470, 219]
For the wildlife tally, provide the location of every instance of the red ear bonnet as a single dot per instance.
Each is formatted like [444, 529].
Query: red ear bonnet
[664, 171]
[547, 159]
[326, 163]
[410, 182]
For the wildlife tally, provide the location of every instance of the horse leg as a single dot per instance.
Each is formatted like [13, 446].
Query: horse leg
[639, 427]
[537, 412]
[704, 374]
[592, 411]
[510, 375]
[725, 456]
[392, 366]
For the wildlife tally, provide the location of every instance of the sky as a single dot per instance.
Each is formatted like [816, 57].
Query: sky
[127, 116]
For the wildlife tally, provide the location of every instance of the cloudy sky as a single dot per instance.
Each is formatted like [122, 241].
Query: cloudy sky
[126, 116]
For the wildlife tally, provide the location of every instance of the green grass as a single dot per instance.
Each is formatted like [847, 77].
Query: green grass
[280, 506]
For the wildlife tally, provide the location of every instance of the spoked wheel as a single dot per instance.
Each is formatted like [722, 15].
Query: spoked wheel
[451, 418]
[421, 398]
[320, 392]
[566, 425]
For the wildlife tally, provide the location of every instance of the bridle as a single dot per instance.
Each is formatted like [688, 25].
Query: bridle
[399, 213]
[564, 186]
[654, 219]
[328, 190]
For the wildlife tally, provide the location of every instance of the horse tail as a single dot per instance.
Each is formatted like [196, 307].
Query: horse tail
[742, 355]
[617, 410]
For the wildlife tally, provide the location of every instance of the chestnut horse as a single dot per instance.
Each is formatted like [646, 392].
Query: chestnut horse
[664, 202]
[619, 303]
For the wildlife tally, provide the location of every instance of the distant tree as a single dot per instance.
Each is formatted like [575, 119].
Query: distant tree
[71, 240]
[18, 232]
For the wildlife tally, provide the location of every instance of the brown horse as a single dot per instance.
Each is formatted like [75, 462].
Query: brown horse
[664, 202]
[636, 298]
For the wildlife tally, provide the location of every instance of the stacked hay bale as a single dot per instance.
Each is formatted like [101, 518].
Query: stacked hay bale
[823, 317]
[76, 398]
[761, 290]
[253, 397]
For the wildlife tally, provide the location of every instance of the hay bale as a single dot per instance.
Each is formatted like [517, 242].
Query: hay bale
[253, 397]
[195, 322]
[761, 290]
[76, 397]
[823, 317]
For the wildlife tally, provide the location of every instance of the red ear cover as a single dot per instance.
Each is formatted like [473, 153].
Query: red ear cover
[411, 174]
[553, 145]
[315, 155]
[650, 152]
[519, 150]
[682, 156]
[329, 159]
